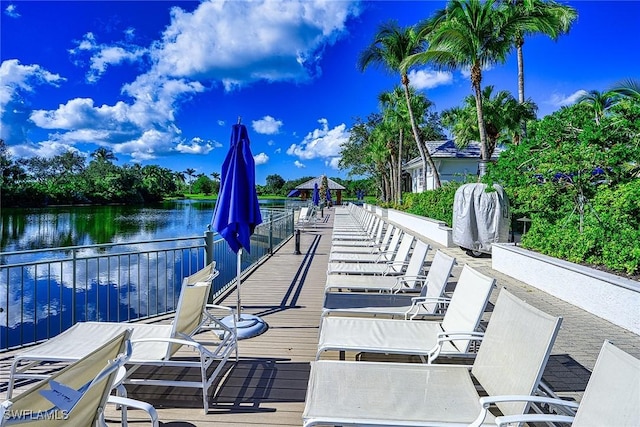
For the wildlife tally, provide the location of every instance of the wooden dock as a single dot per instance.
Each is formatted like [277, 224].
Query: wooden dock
[267, 387]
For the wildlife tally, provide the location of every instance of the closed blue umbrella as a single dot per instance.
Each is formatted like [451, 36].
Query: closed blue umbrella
[316, 194]
[237, 212]
[328, 196]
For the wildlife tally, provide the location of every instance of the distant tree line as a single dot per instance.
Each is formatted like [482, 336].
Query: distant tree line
[67, 178]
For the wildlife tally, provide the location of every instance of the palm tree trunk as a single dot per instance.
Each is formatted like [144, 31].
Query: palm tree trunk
[520, 72]
[424, 152]
[483, 133]
[523, 125]
[399, 177]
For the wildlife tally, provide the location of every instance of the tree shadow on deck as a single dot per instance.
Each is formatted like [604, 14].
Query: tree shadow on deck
[248, 386]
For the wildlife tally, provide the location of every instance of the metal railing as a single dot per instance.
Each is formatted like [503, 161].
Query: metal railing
[44, 292]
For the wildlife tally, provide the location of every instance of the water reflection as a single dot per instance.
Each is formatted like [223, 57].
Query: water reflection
[25, 229]
[37, 300]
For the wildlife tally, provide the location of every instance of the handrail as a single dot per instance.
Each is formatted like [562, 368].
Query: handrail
[46, 294]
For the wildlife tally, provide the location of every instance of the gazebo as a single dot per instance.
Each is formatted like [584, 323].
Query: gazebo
[306, 189]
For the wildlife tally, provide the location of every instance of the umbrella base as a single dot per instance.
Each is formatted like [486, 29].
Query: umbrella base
[248, 325]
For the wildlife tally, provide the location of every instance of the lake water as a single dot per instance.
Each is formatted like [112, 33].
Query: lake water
[25, 229]
[36, 303]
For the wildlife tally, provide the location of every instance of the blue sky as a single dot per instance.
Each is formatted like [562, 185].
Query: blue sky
[161, 82]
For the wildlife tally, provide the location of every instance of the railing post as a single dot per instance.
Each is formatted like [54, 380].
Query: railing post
[73, 293]
[270, 236]
[208, 240]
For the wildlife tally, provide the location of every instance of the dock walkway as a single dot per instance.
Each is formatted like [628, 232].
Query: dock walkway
[268, 385]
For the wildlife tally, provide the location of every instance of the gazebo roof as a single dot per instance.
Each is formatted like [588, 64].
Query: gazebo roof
[309, 185]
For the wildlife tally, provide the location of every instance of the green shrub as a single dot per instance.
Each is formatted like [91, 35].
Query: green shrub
[436, 204]
[579, 183]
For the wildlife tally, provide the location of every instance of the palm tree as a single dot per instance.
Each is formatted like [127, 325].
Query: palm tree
[599, 102]
[545, 17]
[103, 154]
[629, 88]
[471, 34]
[191, 174]
[392, 115]
[391, 47]
[503, 115]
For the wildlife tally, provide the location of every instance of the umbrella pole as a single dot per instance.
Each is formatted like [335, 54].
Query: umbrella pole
[238, 273]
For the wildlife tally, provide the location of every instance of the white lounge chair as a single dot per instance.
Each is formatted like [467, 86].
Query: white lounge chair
[612, 396]
[365, 233]
[410, 281]
[394, 267]
[373, 256]
[377, 242]
[153, 344]
[510, 361]
[75, 395]
[427, 304]
[452, 335]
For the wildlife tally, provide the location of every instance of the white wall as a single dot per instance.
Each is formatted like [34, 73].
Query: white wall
[613, 298]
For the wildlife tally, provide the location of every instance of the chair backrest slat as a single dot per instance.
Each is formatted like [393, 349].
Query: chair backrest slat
[437, 278]
[405, 247]
[92, 376]
[612, 396]
[514, 350]
[467, 304]
[191, 304]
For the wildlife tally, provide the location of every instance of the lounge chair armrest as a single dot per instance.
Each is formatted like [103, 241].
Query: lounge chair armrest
[421, 300]
[131, 403]
[169, 340]
[219, 307]
[392, 264]
[443, 337]
[487, 401]
[451, 336]
[401, 282]
[533, 418]
[416, 302]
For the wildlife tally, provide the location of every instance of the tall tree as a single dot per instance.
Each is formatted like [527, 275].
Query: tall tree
[599, 102]
[503, 115]
[546, 17]
[103, 154]
[191, 173]
[391, 47]
[629, 88]
[471, 34]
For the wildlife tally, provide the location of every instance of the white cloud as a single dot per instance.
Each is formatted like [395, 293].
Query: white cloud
[240, 42]
[12, 11]
[103, 56]
[428, 79]
[261, 159]
[197, 146]
[221, 122]
[271, 143]
[560, 100]
[279, 41]
[267, 125]
[278, 150]
[321, 143]
[299, 164]
[17, 81]
[16, 77]
[46, 149]
[333, 163]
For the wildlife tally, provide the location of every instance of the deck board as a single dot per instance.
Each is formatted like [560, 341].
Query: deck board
[267, 387]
